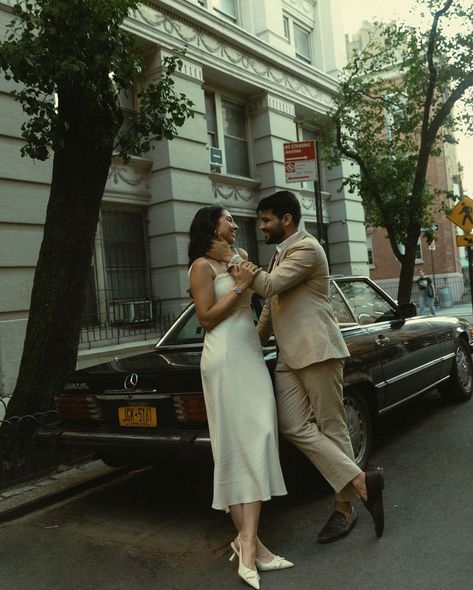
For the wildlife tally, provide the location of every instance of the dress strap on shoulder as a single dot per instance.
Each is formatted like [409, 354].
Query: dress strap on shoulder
[216, 271]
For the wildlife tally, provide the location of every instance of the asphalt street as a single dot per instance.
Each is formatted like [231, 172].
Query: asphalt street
[154, 528]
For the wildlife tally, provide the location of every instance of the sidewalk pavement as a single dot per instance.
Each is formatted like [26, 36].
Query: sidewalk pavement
[461, 310]
[66, 481]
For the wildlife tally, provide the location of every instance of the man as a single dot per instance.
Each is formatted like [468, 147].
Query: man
[312, 352]
[426, 293]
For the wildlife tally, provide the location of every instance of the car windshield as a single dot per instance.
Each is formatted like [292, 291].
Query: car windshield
[365, 306]
[187, 329]
[368, 305]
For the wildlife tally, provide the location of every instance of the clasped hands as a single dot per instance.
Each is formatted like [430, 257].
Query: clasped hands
[243, 273]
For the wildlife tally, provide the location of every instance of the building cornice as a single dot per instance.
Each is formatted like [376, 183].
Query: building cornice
[218, 44]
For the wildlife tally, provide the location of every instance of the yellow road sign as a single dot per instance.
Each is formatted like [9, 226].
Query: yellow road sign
[462, 215]
[465, 240]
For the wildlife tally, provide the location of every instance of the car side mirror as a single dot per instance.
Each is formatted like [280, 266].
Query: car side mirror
[407, 310]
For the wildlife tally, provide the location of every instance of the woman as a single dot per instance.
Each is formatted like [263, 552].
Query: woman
[238, 392]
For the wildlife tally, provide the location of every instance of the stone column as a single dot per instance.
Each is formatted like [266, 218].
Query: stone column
[272, 121]
[346, 230]
[180, 184]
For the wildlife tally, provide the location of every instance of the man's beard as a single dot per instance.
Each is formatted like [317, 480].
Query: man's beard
[276, 236]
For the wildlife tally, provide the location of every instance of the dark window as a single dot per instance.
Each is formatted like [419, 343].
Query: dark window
[124, 254]
[236, 145]
[302, 43]
[246, 237]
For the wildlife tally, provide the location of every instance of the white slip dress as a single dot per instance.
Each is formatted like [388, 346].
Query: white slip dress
[241, 407]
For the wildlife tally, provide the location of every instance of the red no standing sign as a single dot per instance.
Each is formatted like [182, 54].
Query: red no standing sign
[300, 161]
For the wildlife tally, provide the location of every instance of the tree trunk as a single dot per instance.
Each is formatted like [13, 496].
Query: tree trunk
[80, 171]
[406, 275]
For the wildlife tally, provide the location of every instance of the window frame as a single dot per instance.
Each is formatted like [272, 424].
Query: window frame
[220, 98]
[234, 18]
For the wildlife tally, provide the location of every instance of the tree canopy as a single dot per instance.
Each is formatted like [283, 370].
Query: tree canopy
[395, 110]
[72, 60]
[55, 47]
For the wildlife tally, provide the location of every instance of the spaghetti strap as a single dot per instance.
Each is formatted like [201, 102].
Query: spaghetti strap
[216, 272]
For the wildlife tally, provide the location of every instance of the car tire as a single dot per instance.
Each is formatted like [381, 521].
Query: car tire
[360, 426]
[459, 387]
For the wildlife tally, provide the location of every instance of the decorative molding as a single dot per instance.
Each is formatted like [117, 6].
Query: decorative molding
[268, 101]
[302, 6]
[134, 174]
[234, 192]
[241, 62]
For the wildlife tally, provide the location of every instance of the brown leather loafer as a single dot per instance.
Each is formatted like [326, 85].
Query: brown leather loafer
[374, 503]
[337, 526]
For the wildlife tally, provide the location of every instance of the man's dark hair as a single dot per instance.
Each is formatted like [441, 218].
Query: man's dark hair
[202, 230]
[281, 203]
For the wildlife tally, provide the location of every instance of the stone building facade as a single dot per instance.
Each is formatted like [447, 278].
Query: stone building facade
[254, 70]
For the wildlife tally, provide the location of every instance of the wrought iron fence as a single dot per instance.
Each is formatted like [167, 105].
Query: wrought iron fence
[20, 458]
[116, 320]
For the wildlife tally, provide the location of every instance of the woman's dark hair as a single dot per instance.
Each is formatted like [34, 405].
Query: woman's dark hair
[202, 231]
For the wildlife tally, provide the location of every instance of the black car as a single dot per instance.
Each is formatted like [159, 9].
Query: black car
[131, 409]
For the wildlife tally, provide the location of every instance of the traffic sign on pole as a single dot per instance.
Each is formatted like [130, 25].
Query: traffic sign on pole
[464, 240]
[462, 214]
[300, 161]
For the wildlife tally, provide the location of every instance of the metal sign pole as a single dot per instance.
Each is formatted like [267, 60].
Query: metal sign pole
[470, 271]
[433, 273]
[319, 208]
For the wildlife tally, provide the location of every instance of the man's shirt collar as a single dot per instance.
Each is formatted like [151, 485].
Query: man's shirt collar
[280, 248]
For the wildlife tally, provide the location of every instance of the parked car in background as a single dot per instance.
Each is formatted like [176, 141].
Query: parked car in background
[131, 409]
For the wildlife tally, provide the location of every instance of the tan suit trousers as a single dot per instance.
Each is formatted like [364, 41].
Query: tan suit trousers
[327, 443]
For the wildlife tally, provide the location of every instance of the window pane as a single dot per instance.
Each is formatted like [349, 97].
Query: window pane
[302, 43]
[340, 310]
[236, 147]
[211, 118]
[233, 119]
[369, 246]
[311, 228]
[228, 7]
[367, 304]
[246, 237]
[189, 332]
[125, 254]
[236, 157]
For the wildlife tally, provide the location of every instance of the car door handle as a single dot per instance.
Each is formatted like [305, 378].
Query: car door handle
[382, 340]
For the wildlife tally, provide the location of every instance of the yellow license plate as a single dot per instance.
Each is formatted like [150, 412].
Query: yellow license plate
[137, 416]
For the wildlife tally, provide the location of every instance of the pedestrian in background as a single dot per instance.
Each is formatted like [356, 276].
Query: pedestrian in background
[426, 293]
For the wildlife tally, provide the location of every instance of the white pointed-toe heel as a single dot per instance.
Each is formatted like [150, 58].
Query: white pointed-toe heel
[250, 576]
[277, 563]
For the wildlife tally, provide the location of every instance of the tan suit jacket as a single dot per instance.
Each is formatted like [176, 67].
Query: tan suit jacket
[298, 309]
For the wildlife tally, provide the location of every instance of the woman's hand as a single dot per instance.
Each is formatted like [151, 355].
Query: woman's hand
[244, 274]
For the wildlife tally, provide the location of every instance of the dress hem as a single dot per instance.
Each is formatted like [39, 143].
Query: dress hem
[265, 499]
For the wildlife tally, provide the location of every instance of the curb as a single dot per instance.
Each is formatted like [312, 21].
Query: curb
[47, 499]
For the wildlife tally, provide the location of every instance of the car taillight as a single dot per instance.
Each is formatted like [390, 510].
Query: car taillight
[190, 407]
[77, 407]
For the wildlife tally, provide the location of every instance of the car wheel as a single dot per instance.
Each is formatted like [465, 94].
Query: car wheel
[460, 385]
[360, 426]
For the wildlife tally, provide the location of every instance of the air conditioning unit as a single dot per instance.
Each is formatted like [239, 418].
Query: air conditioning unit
[131, 312]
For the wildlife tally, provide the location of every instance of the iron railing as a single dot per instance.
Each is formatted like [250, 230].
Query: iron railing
[21, 459]
[112, 320]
